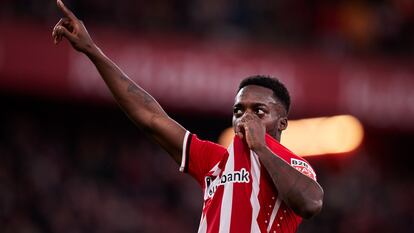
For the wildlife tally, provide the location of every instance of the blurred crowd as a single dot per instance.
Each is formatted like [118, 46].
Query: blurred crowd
[89, 170]
[82, 170]
[61, 176]
[361, 26]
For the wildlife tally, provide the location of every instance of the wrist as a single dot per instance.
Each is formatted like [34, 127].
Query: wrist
[261, 148]
[91, 50]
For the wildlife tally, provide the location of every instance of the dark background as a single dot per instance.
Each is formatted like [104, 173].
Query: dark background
[71, 164]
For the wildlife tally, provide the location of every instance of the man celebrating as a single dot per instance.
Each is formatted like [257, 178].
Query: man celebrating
[256, 185]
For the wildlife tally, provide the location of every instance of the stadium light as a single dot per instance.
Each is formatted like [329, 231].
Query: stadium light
[317, 136]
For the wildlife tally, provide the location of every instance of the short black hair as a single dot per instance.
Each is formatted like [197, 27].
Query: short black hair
[279, 90]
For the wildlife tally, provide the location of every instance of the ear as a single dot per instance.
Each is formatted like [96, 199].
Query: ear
[282, 123]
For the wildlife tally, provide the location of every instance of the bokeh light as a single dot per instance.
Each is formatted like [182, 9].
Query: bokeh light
[317, 136]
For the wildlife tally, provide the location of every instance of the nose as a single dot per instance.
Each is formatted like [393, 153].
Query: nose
[244, 118]
[247, 113]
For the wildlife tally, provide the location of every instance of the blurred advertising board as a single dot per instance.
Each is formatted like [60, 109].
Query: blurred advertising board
[190, 75]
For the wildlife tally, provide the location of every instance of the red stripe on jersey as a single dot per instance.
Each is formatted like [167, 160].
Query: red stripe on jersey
[239, 195]
[267, 199]
[213, 217]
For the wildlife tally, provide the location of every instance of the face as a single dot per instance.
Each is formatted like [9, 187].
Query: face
[261, 102]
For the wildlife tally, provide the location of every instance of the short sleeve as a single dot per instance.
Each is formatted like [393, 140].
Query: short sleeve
[200, 156]
[291, 158]
[303, 166]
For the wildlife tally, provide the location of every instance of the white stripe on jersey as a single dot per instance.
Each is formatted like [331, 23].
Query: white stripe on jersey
[220, 205]
[203, 224]
[184, 152]
[254, 197]
[227, 201]
[274, 213]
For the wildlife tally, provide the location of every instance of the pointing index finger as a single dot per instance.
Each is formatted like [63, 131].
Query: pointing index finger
[68, 13]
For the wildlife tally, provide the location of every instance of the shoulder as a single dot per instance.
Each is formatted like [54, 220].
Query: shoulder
[291, 158]
[200, 154]
[196, 145]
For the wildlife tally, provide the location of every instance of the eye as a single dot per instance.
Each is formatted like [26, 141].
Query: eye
[237, 112]
[259, 112]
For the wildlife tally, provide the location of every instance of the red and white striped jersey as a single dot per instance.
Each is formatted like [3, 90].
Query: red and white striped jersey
[239, 195]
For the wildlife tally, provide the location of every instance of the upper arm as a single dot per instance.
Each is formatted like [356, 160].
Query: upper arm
[140, 106]
[291, 158]
[147, 114]
[167, 133]
[303, 167]
[199, 156]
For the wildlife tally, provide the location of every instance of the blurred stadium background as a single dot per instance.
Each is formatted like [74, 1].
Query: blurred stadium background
[71, 161]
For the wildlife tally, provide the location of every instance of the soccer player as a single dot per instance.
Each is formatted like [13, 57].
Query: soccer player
[256, 185]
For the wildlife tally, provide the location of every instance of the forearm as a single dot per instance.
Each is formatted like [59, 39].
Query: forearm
[140, 106]
[302, 194]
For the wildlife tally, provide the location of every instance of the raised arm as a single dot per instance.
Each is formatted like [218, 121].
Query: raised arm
[140, 106]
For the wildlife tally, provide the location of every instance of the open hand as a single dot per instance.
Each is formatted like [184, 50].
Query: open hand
[72, 29]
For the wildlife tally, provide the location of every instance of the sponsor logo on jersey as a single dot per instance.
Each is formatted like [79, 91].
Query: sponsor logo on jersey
[212, 183]
[303, 167]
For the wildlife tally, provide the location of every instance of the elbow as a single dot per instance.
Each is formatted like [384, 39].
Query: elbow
[312, 207]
